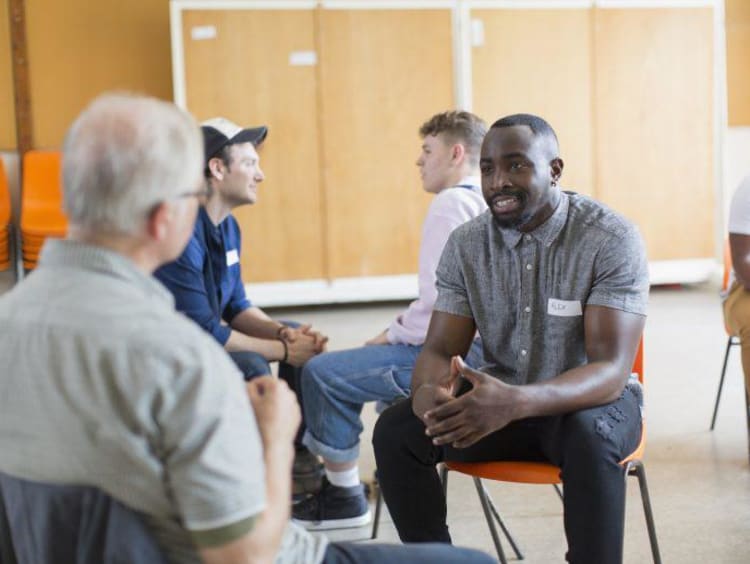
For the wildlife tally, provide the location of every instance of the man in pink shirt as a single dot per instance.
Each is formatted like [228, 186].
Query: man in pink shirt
[336, 385]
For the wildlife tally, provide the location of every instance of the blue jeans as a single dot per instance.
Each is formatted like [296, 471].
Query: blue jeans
[336, 385]
[372, 553]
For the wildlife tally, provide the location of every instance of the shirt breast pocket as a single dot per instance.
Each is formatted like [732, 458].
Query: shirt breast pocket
[564, 322]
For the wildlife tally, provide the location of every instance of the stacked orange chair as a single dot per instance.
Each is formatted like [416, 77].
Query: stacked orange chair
[42, 213]
[5, 229]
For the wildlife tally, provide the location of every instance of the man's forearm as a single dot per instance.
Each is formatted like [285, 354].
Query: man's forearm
[586, 386]
[253, 322]
[271, 349]
[432, 368]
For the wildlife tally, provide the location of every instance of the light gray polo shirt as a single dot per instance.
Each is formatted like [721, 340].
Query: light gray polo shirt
[105, 384]
[527, 291]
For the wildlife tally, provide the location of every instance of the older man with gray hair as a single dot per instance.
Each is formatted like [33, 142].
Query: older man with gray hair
[106, 386]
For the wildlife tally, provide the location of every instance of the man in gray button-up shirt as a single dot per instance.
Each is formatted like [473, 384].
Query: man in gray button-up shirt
[556, 284]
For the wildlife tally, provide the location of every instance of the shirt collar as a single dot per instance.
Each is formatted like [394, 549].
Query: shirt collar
[469, 181]
[67, 253]
[547, 232]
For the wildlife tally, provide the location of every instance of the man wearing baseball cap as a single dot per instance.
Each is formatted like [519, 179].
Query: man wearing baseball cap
[206, 279]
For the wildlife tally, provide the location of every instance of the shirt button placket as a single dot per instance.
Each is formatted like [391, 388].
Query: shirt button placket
[526, 289]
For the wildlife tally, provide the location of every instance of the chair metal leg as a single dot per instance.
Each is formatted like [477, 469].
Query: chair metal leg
[490, 523]
[15, 233]
[636, 467]
[444, 480]
[558, 490]
[500, 522]
[721, 382]
[747, 411]
[378, 507]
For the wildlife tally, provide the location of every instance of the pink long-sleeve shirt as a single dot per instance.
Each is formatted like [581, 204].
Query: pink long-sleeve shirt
[449, 209]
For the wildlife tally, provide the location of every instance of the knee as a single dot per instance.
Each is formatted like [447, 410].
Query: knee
[592, 437]
[316, 374]
[737, 310]
[394, 425]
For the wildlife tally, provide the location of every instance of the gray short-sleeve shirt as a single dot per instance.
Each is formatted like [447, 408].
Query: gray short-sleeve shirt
[527, 291]
[105, 384]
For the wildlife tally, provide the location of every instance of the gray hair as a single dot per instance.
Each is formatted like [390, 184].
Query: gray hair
[124, 155]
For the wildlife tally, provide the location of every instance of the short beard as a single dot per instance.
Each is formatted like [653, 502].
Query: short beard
[512, 222]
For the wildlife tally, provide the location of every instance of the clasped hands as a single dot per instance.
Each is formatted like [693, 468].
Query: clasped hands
[302, 343]
[461, 421]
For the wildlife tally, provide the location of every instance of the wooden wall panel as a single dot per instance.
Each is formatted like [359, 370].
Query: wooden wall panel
[384, 73]
[7, 114]
[79, 48]
[244, 74]
[737, 17]
[539, 62]
[654, 116]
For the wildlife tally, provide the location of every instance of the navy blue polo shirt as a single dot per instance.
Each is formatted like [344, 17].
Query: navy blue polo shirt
[206, 280]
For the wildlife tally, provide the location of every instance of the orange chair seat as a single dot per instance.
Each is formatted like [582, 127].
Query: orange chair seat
[509, 471]
[32, 239]
[40, 221]
[38, 234]
[33, 246]
[522, 472]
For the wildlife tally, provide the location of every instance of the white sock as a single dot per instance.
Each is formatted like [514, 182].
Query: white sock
[345, 478]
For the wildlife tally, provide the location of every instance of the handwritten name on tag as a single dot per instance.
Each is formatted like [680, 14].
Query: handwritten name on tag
[232, 257]
[564, 308]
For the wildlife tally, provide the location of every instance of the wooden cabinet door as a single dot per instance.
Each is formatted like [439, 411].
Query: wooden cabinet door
[255, 67]
[383, 73]
[538, 61]
[738, 54]
[654, 119]
[7, 103]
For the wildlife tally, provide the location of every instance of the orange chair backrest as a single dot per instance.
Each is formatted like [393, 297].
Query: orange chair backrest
[4, 197]
[638, 362]
[42, 182]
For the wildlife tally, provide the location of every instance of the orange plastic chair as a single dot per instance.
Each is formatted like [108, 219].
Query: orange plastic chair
[5, 238]
[41, 200]
[732, 340]
[541, 473]
[42, 215]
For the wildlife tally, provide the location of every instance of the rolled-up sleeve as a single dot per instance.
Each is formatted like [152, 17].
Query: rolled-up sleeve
[451, 286]
[621, 274]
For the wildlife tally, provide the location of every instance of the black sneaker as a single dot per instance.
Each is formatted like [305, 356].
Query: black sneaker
[307, 474]
[333, 508]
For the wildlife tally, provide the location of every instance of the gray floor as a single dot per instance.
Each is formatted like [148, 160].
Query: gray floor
[699, 480]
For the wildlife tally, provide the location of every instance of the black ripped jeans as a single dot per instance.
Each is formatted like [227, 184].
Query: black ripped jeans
[587, 445]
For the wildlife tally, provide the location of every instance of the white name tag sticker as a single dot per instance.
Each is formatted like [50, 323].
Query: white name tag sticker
[232, 257]
[564, 308]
